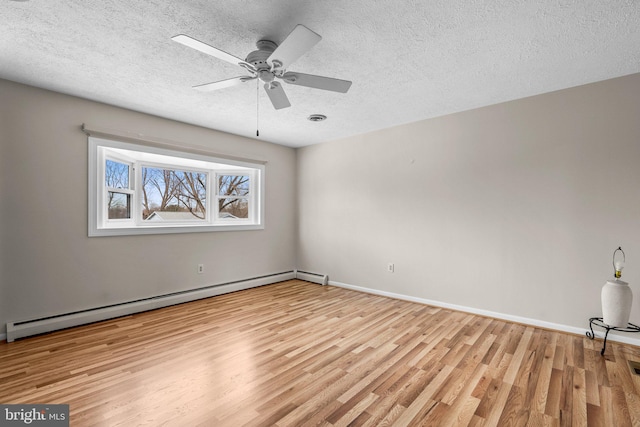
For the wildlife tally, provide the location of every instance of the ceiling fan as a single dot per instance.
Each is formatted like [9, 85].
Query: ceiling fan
[269, 63]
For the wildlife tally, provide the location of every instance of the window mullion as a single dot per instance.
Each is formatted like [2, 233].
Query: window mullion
[211, 176]
[137, 187]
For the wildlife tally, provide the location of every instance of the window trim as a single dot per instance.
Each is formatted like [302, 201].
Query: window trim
[96, 220]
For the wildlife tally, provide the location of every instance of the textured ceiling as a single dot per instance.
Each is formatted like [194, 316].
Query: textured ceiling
[408, 59]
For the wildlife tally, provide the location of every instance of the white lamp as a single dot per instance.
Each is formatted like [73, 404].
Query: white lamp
[616, 295]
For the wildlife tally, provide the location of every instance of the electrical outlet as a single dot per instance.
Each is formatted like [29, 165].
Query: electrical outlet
[200, 268]
[390, 267]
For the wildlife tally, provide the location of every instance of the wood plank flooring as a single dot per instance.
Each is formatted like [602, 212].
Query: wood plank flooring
[296, 353]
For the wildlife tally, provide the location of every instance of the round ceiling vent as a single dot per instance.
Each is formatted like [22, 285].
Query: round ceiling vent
[317, 117]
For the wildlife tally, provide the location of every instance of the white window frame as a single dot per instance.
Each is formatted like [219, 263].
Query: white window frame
[216, 211]
[138, 156]
[103, 211]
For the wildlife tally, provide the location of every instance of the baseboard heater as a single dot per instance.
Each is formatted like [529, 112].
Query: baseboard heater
[321, 279]
[52, 323]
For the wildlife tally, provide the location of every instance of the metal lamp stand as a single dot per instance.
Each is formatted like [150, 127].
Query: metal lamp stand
[597, 321]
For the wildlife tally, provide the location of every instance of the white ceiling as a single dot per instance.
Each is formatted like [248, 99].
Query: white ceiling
[408, 59]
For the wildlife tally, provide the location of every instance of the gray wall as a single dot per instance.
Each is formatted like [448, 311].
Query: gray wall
[50, 266]
[514, 208]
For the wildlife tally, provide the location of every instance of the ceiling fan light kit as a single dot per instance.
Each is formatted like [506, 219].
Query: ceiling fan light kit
[268, 63]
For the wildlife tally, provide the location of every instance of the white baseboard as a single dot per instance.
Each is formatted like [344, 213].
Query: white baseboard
[39, 326]
[3, 337]
[36, 327]
[509, 317]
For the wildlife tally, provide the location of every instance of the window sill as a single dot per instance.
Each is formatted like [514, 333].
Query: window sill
[131, 231]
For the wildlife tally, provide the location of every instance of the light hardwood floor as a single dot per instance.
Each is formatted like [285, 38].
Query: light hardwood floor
[296, 353]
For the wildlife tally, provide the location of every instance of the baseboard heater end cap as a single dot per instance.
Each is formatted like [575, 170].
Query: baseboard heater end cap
[321, 279]
[10, 337]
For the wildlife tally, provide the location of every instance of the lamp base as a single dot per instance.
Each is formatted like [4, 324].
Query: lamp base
[616, 303]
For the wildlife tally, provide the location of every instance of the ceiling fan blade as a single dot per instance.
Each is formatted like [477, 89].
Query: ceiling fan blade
[210, 50]
[297, 43]
[208, 87]
[317, 82]
[276, 95]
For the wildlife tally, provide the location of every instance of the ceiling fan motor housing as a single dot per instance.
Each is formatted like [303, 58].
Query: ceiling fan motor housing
[258, 58]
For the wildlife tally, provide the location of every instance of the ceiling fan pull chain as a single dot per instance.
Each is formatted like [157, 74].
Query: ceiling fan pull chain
[257, 107]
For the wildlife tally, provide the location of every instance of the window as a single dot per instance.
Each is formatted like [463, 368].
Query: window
[181, 192]
[116, 179]
[233, 196]
[135, 189]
